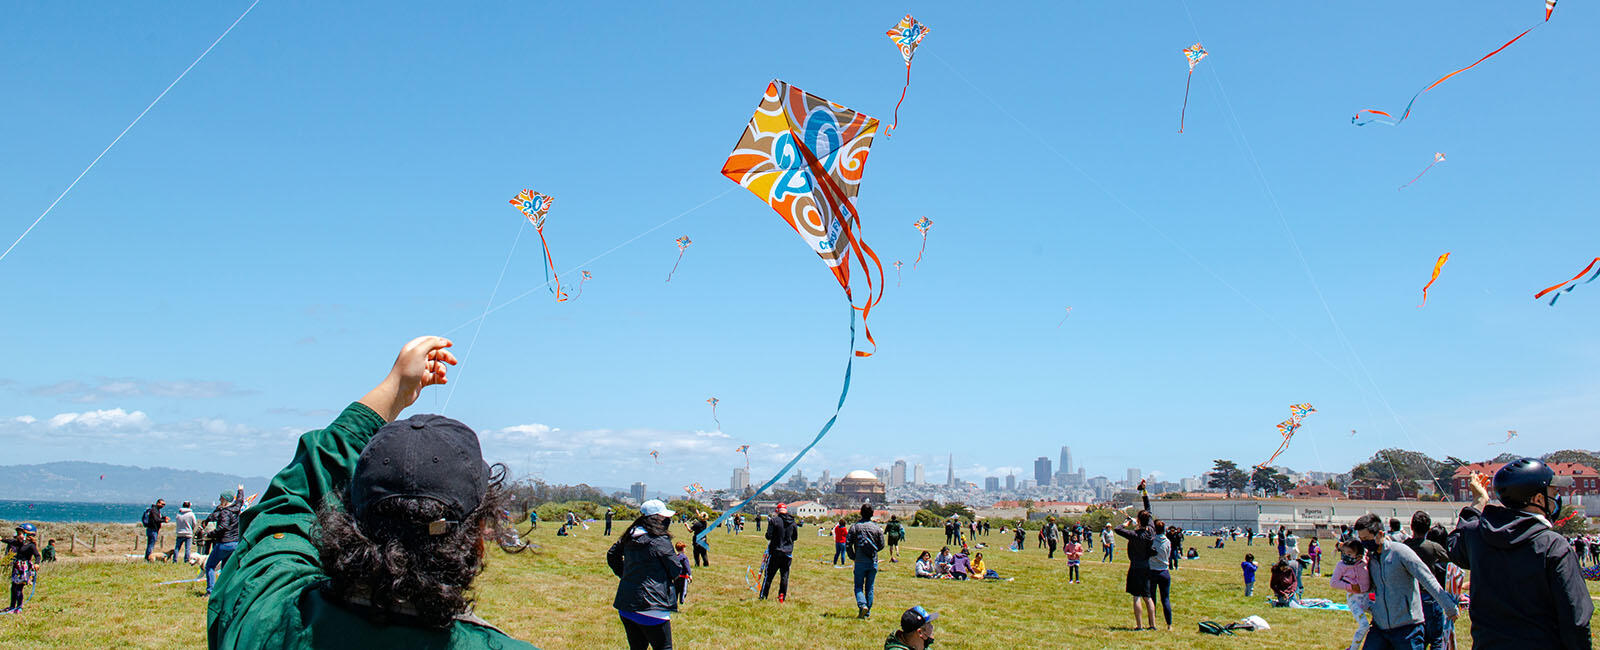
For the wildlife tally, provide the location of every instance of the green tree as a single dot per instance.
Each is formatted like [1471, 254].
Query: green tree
[1401, 465]
[1576, 523]
[1226, 475]
[1573, 456]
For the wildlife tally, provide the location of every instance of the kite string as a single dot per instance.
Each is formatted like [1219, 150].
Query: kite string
[125, 130]
[1300, 254]
[589, 261]
[474, 343]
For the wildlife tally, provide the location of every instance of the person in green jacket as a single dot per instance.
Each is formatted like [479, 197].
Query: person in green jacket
[915, 633]
[373, 534]
[895, 532]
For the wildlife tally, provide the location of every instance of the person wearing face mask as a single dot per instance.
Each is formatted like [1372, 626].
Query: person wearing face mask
[1351, 577]
[1527, 589]
[1397, 620]
[915, 633]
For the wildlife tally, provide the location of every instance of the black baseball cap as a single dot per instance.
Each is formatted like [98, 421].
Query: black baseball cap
[915, 618]
[423, 456]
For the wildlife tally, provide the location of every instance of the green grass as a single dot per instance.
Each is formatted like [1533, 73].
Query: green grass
[560, 597]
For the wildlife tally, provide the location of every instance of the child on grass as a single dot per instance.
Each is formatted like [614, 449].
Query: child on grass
[1351, 576]
[1074, 551]
[1249, 567]
[1283, 583]
[682, 583]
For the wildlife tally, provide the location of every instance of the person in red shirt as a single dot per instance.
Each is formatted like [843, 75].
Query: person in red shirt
[839, 538]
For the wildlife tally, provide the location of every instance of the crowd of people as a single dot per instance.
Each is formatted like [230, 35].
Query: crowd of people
[327, 557]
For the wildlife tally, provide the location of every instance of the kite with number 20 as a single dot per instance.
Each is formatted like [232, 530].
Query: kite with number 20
[536, 207]
[907, 36]
[1367, 116]
[805, 156]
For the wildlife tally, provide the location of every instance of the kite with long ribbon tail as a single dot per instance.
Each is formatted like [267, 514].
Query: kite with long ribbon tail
[586, 277]
[1064, 318]
[1437, 158]
[897, 265]
[1367, 116]
[805, 157]
[1287, 429]
[656, 455]
[713, 402]
[683, 243]
[907, 35]
[1570, 284]
[1436, 266]
[923, 226]
[1194, 53]
[745, 449]
[536, 207]
[1509, 435]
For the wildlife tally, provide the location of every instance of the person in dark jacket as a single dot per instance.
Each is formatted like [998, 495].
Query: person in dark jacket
[782, 531]
[609, 514]
[700, 544]
[1435, 558]
[865, 539]
[647, 565]
[225, 537]
[24, 550]
[1527, 589]
[1140, 534]
[152, 521]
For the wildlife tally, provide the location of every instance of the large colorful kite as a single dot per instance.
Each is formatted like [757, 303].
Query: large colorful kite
[907, 36]
[923, 226]
[1373, 115]
[713, 402]
[1436, 267]
[1287, 429]
[745, 449]
[1570, 284]
[683, 243]
[1437, 158]
[805, 157]
[536, 207]
[1194, 53]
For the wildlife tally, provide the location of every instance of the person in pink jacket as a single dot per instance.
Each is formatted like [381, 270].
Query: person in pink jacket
[1351, 576]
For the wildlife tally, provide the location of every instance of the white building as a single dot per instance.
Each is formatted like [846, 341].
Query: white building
[897, 475]
[808, 509]
[741, 480]
[916, 476]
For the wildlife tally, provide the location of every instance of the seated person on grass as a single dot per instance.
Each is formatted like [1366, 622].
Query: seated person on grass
[924, 566]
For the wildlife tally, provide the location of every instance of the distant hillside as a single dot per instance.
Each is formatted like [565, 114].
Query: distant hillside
[103, 483]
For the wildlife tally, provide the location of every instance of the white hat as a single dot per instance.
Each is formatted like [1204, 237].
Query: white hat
[655, 507]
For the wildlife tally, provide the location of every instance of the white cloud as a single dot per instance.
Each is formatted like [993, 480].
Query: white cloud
[25, 419]
[101, 419]
[127, 388]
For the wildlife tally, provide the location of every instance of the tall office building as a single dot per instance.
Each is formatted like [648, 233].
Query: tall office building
[882, 474]
[637, 491]
[916, 475]
[991, 484]
[1083, 476]
[741, 480]
[1011, 482]
[825, 483]
[950, 471]
[1134, 475]
[897, 474]
[1041, 471]
[1066, 460]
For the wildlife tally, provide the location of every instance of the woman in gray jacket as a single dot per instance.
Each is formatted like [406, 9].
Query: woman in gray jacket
[647, 565]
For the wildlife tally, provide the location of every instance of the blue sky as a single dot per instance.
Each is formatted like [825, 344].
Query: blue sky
[333, 180]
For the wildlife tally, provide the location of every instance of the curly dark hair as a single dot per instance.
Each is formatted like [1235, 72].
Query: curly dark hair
[391, 561]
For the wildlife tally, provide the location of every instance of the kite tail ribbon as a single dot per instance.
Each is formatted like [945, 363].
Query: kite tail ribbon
[889, 132]
[675, 265]
[1185, 110]
[843, 392]
[1436, 267]
[1573, 282]
[1394, 122]
[848, 224]
[919, 250]
[1419, 176]
[550, 269]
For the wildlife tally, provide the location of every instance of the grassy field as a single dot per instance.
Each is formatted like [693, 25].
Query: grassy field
[560, 596]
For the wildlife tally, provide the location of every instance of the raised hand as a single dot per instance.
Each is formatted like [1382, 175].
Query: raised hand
[421, 363]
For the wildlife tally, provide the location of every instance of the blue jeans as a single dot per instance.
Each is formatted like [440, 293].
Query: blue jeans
[1405, 637]
[184, 543]
[1432, 622]
[217, 558]
[150, 542]
[1299, 571]
[1250, 588]
[866, 574]
[838, 554]
[1108, 550]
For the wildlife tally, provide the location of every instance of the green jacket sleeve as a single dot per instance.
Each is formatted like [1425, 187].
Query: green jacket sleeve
[276, 558]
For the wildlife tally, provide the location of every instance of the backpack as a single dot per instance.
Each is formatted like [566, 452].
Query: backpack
[859, 539]
[1214, 628]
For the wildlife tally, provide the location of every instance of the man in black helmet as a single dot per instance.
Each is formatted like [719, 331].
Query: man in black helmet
[1527, 589]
